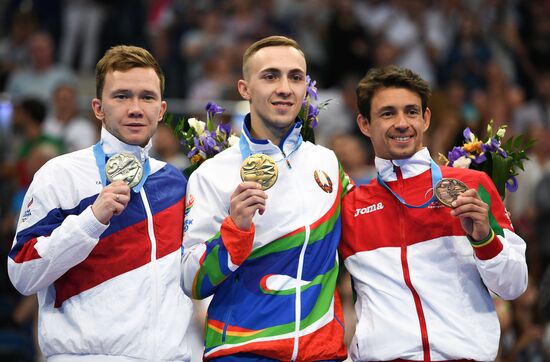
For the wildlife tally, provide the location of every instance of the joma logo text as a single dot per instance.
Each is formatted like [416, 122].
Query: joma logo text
[369, 209]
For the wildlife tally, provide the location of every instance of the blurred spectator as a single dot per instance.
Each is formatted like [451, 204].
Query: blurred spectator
[339, 116]
[28, 118]
[43, 75]
[14, 52]
[82, 22]
[166, 147]
[468, 55]
[542, 204]
[449, 118]
[218, 81]
[203, 43]
[527, 344]
[349, 46]
[65, 122]
[537, 110]
[498, 100]
[356, 158]
[418, 38]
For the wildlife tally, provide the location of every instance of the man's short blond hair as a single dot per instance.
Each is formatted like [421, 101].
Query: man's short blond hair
[270, 41]
[123, 58]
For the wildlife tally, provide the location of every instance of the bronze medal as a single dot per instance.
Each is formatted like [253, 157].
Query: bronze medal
[447, 190]
[261, 169]
[124, 166]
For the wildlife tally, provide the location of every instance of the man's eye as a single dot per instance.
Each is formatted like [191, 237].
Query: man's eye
[297, 77]
[120, 96]
[269, 76]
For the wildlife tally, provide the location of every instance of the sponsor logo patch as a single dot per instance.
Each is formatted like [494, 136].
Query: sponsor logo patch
[368, 209]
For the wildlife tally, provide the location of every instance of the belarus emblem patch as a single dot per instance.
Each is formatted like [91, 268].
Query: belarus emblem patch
[322, 179]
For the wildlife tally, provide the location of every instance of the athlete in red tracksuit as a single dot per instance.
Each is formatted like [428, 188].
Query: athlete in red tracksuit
[422, 275]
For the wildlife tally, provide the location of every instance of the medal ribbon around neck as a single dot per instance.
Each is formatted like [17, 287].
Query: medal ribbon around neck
[436, 176]
[245, 148]
[100, 162]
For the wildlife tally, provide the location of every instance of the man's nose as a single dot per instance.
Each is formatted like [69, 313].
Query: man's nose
[284, 86]
[135, 109]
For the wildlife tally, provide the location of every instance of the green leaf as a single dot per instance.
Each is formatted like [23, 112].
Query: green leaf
[500, 172]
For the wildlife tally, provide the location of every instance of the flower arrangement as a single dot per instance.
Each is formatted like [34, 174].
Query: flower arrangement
[500, 161]
[203, 140]
[310, 110]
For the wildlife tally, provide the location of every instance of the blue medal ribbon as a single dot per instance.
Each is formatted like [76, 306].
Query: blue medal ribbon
[245, 148]
[436, 176]
[100, 160]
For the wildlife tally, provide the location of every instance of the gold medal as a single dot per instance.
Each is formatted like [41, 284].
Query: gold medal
[447, 190]
[261, 169]
[124, 166]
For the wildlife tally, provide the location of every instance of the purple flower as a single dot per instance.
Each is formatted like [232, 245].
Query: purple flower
[312, 113]
[478, 159]
[455, 154]
[494, 146]
[213, 109]
[311, 89]
[469, 135]
[512, 184]
[225, 128]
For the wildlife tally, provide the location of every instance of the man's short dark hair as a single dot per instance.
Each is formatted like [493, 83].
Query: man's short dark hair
[389, 77]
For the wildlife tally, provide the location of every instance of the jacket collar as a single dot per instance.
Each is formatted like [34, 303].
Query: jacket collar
[289, 143]
[112, 145]
[413, 166]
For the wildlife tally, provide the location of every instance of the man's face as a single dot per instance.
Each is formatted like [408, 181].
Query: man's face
[275, 85]
[396, 126]
[131, 105]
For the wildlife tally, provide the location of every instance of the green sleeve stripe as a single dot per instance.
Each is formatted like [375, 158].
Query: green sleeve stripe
[486, 197]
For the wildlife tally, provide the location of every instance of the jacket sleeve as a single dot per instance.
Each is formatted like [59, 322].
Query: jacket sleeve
[500, 260]
[51, 236]
[214, 247]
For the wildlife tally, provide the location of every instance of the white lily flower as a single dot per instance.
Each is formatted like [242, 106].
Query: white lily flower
[462, 162]
[232, 140]
[198, 126]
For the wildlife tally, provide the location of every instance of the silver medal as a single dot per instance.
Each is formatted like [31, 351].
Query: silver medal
[124, 166]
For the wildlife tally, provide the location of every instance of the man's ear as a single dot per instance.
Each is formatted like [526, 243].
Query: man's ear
[427, 118]
[364, 124]
[98, 109]
[242, 86]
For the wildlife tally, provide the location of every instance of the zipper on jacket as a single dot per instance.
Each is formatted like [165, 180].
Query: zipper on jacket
[230, 308]
[298, 300]
[286, 160]
[154, 274]
[406, 270]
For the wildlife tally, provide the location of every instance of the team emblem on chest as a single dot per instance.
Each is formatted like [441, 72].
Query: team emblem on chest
[322, 179]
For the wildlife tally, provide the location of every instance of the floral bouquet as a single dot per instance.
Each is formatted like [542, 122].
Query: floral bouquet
[201, 140]
[310, 111]
[500, 161]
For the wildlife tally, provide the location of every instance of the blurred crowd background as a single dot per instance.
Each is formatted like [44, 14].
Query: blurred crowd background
[485, 60]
